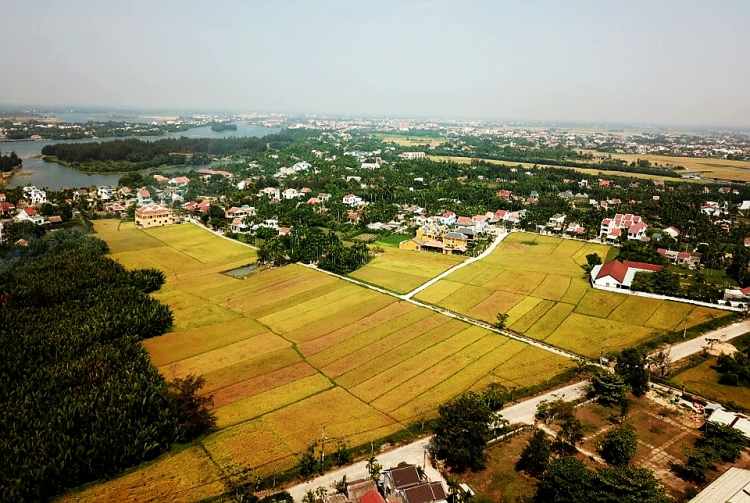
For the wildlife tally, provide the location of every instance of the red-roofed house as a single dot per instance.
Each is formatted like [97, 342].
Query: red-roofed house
[6, 207]
[30, 215]
[283, 231]
[161, 179]
[619, 221]
[618, 274]
[372, 496]
[505, 194]
[637, 231]
[672, 231]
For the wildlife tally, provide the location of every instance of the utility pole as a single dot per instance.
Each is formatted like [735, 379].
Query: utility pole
[323, 447]
[684, 331]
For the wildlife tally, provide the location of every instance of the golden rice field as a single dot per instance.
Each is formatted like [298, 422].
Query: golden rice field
[286, 350]
[538, 282]
[402, 271]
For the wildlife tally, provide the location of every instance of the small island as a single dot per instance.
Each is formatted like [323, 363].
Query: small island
[223, 126]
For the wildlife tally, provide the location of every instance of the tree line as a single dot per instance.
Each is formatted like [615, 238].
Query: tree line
[9, 162]
[81, 400]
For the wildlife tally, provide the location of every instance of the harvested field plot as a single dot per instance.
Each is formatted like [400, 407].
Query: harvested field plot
[404, 270]
[538, 281]
[286, 350]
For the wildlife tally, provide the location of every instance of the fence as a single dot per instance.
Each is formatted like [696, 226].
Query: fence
[666, 297]
[511, 433]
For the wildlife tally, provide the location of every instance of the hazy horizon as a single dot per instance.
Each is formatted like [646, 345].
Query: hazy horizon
[646, 63]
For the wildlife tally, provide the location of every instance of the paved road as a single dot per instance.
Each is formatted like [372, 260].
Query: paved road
[414, 453]
[466, 262]
[693, 346]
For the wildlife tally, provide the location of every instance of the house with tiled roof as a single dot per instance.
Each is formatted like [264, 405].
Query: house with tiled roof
[153, 215]
[7, 207]
[144, 197]
[618, 274]
[30, 215]
[620, 221]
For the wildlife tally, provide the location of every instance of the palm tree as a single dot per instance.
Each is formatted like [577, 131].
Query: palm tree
[454, 489]
[373, 467]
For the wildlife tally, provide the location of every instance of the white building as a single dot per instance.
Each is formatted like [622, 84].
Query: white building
[271, 192]
[352, 200]
[413, 155]
[34, 195]
[144, 198]
[618, 274]
[290, 193]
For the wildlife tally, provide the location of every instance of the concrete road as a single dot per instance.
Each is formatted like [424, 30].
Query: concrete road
[693, 346]
[414, 453]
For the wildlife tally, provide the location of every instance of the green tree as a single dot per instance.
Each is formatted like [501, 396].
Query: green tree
[628, 484]
[570, 435]
[373, 468]
[535, 455]
[609, 388]
[631, 365]
[502, 319]
[725, 442]
[567, 481]
[462, 431]
[618, 446]
[698, 464]
[193, 410]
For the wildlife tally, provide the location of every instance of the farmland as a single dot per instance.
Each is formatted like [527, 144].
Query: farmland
[402, 271]
[538, 282]
[286, 350]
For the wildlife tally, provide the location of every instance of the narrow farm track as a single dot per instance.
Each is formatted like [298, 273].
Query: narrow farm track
[451, 314]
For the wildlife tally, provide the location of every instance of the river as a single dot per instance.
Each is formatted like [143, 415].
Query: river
[54, 176]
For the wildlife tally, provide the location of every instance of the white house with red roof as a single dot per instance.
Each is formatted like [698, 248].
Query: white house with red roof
[180, 181]
[6, 207]
[618, 274]
[30, 215]
[672, 232]
[144, 197]
[637, 231]
[352, 200]
[447, 218]
[620, 221]
[161, 179]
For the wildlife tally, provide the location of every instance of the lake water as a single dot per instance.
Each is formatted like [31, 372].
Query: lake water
[54, 176]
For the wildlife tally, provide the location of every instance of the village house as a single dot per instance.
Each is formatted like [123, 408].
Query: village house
[105, 193]
[29, 215]
[7, 207]
[404, 485]
[448, 218]
[239, 226]
[324, 196]
[610, 227]
[144, 198]
[618, 274]
[352, 200]
[180, 181]
[271, 192]
[290, 193]
[575, 230]
[34, 196]
[556, 222]
[412, 155]
[153, 215]
[672, 232]
[161, 179]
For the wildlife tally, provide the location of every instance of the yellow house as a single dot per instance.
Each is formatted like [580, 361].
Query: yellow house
[454, 239]
[153, 215]
[411, 244]
[431, 232]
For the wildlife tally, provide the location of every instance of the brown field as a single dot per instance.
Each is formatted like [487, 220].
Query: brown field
[537, 280]
[286, 350]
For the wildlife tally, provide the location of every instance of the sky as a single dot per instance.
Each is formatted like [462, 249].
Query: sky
[664, 62]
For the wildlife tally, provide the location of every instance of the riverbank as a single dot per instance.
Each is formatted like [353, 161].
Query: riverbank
[5, 178]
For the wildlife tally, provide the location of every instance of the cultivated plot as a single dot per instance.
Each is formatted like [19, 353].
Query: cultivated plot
[402, 271]
[539, 283]
[286, 350]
